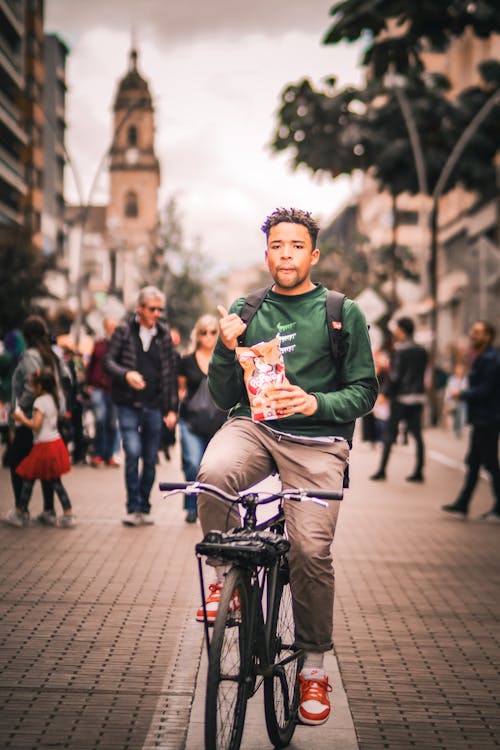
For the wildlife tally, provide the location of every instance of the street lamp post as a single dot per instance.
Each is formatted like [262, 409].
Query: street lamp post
[85, 209]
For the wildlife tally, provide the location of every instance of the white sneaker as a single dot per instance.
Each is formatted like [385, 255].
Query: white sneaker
[146, 519]
[66, 521]
[16, 518]
[132, 519]
[491, 517]
[47, 518]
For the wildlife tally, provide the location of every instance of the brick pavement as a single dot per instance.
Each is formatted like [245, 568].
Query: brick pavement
[94, 622]
[99, 649]
[418, 606]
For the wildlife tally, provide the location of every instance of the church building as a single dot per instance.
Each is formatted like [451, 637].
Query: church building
[110, 246]
[132, 213]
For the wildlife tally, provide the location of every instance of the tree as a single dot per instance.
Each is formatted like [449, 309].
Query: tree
[22, 268]
[429, 147]
[398, 32]
[179, 270]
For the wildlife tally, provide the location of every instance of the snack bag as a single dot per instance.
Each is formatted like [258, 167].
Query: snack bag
[263, 369]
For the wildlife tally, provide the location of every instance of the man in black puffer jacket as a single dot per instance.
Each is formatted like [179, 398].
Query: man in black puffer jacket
[407, 393]
[483, 405]
[142, 364]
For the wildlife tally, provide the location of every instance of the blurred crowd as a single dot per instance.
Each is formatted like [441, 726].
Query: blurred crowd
[412, 394]
[90, 407]
[90, 424]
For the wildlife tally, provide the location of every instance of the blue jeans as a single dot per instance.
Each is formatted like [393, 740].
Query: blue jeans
[193, 447]
[105, 423]
[141, 433]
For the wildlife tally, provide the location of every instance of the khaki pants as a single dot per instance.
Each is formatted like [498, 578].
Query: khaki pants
[243, 453]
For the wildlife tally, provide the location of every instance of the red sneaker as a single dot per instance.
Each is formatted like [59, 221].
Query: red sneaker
[212, 604]
[314, 705]
[97, 462]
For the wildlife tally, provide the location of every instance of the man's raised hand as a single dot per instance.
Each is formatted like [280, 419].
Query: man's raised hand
[230, 326]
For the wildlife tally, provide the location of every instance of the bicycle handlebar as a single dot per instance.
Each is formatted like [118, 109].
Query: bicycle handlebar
[291, 494]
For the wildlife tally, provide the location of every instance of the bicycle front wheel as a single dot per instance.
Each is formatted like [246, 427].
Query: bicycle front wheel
[229, 666]
[281, 691]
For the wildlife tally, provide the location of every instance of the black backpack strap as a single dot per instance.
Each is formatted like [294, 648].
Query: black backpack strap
[250, 307]
[334, 305]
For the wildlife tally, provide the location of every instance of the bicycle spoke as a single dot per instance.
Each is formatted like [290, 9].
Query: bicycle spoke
[227, 682]
[281, 690]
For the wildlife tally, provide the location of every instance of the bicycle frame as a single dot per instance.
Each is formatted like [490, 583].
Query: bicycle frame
[259, 576]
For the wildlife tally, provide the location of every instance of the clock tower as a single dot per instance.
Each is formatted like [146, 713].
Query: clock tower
[132, 213]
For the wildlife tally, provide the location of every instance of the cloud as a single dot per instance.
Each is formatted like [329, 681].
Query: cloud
[215, 101]
[185, 20]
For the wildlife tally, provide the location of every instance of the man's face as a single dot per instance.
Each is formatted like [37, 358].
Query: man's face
[478, 337]
[290, 255]
[149, 312]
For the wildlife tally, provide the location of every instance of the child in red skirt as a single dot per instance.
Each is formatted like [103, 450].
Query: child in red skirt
[48, 458]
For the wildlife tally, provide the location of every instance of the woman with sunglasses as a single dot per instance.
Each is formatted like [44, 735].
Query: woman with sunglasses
[199, 418]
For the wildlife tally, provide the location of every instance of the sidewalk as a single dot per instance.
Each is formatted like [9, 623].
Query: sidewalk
[98, 644]
[99, 648]
[417, 609]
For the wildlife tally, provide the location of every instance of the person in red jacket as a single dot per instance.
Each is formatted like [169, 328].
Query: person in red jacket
[98, 385]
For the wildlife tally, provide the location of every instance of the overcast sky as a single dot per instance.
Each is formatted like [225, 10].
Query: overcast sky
[215, 71]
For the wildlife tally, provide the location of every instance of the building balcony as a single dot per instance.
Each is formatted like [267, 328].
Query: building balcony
[8, 215]
[13, 13]
[60, 113]
[61, 76]
[11, 172]
[60, 151]
[9, 117]
[12, 68]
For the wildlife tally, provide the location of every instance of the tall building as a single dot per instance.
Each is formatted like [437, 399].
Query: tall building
[13, 138]
[54, 100]
[132, 213]
[32, 120]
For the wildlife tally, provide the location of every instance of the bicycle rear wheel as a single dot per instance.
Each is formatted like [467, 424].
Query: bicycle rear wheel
[228, 666]
[281, 691]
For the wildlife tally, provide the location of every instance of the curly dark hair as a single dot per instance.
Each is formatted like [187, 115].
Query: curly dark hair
[292, 216]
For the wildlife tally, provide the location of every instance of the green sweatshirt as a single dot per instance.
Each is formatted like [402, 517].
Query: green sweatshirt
[299, 322]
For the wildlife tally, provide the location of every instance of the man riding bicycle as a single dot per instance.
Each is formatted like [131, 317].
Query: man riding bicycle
[308, 444]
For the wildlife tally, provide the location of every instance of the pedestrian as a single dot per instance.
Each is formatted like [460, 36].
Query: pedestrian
[98, 386]
[374, 423]
[48, 459]
[482, 396]
[308, 442]
[199, 418]
[406, 391]
[141, 362]
[456, 410]
[72, 427]
[11, 349]
[168, 436]
[37, 355]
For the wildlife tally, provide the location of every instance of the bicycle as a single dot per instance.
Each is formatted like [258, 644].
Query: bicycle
[253, 634]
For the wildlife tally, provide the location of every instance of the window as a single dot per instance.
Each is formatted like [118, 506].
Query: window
[131, 206]
[132, 136]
